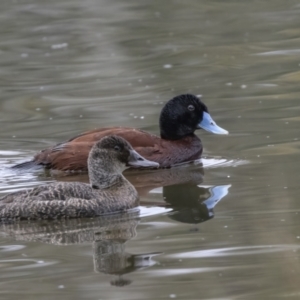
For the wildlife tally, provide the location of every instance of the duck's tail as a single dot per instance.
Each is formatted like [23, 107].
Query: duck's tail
[31, 164]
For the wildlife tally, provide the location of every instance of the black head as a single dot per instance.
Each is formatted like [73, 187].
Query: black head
[181, 116]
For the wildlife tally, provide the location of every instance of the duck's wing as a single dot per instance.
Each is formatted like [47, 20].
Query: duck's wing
[55, 209]
[24, 195]
[9, 198]
[72, 154]
[136, 137]
[39, 208]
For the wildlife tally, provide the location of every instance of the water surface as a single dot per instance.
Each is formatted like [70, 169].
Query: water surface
[227, 230]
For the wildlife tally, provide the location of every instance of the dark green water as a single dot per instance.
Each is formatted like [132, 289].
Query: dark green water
[68, 66]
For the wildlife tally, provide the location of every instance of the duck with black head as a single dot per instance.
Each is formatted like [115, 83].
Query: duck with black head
[179, 119]
[108, 192]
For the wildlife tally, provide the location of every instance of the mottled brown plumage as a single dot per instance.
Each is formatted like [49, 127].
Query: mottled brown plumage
[179, 119]
[108, 191]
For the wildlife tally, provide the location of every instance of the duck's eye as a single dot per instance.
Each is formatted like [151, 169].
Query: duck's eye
[191, 107]
[117, 148]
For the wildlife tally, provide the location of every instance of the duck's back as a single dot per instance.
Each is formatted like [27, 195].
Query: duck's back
[53, 191]
[69, 199]
[72, 154]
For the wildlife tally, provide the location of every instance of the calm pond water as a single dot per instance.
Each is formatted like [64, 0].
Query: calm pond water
[68, 66]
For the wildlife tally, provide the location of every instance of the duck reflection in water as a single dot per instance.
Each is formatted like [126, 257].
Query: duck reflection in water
[193, 204]
[108, 235]
[181, 189]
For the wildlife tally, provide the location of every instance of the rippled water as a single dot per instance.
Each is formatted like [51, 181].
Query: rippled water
[225, 227]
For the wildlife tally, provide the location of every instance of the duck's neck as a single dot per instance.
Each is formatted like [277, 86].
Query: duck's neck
[173, 130]
[106, 182]
[104, 173]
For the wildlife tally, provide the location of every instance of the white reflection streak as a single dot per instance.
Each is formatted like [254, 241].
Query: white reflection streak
[222, 162]
[10, 153]
[33, 263]
[9, 248]
[279, 52]
[234, 251]
[170, 272]
[153, 211]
